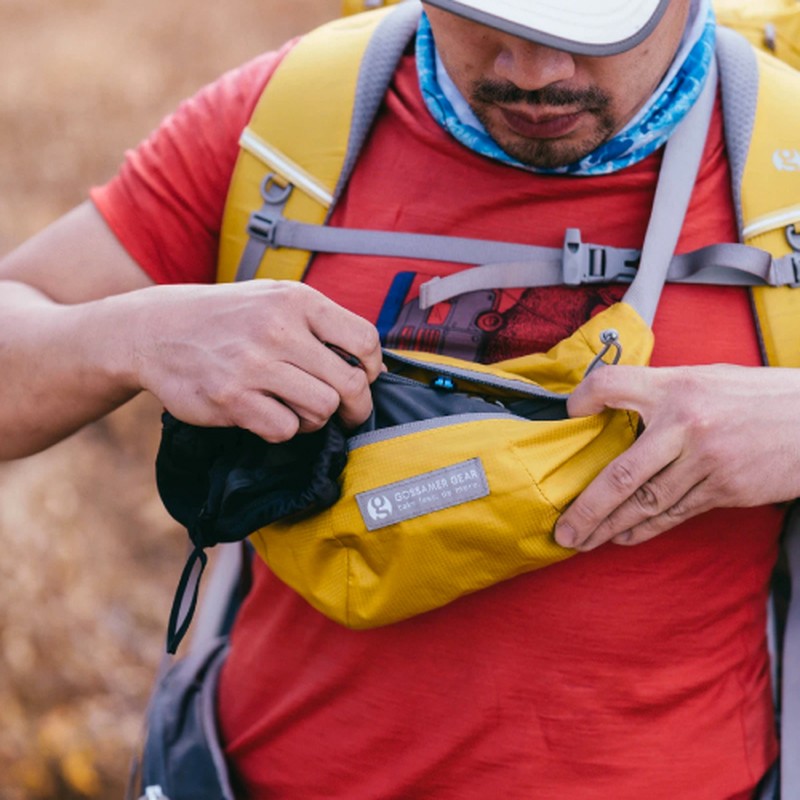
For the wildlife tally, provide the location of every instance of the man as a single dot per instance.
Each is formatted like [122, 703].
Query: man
[624, 672]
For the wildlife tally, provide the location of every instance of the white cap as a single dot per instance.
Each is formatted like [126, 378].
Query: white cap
[586, 27]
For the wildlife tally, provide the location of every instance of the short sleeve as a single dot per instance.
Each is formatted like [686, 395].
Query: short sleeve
[165, 204]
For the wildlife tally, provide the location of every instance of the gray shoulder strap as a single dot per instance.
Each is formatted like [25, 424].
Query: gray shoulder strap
[375, 74]
[676, 181]
[738, 73]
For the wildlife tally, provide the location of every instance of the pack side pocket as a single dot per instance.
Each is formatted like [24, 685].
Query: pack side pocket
[182, 752]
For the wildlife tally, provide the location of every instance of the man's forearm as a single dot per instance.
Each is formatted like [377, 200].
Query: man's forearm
[62, 366]
[253, 355]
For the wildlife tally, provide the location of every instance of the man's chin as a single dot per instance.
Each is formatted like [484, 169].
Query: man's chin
[545, 154]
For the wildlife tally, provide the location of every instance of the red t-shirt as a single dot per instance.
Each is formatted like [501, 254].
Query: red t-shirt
[623, 673]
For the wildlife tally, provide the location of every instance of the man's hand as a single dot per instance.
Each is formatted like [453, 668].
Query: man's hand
[714, 436]
[260, 355]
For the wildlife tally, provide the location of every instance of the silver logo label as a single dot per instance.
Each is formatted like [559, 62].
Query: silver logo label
[423, 494]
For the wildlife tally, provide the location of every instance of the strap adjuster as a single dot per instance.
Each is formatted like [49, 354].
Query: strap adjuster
[262, 223]
[785, 271]
[589, 263]
[261, 226]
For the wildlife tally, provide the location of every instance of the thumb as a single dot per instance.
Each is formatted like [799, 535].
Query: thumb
[609, 386]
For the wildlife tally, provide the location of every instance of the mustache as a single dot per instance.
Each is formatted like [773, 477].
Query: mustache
[488, 91]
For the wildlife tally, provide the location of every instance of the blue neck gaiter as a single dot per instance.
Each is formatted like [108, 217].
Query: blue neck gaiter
[643, 135]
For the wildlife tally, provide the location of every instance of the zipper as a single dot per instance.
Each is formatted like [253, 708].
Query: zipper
[480, 379]
[406, 428]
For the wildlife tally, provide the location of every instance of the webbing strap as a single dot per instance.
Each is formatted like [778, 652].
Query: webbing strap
[505, 265]
[431, 247]
[790, 674]
[378, 66]
[718, 264]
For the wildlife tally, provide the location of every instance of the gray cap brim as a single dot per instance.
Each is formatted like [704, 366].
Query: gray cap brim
[559, 25]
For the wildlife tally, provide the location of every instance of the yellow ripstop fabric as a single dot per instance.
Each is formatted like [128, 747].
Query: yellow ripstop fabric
[772, 25]
[771, 203]
[304, 114]
[365, 578]
[357, 6]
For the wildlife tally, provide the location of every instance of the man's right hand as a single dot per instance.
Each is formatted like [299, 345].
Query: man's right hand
[254, 355]
[83, 329]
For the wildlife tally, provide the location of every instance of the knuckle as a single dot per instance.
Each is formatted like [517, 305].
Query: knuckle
[223, 396]
[647, 498]
[307, 425]
[367, 341]
[281, 427]
[621, 477]
[678, 511]
[354, 384]
[323, 408]
[267, 417]
[696, 422]
[583, 514]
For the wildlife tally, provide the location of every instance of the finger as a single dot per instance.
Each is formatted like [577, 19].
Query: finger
[660, 496]
[697, 501]
[614, 485]
[337, 387]
[333, 387]
[617, 386]
[266, 417]
[349, 333]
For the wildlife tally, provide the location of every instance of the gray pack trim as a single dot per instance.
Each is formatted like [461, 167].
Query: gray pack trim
[407, 428]
[739, 85]
[375, 74]
[506, 264]
[475, 377]
[260, 226]
[676, 180]
[430, 247]
[719, 264]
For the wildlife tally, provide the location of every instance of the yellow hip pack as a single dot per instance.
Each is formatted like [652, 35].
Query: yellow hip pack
[451, 501]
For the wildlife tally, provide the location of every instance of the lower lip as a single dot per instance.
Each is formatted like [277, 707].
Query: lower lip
[550, 128]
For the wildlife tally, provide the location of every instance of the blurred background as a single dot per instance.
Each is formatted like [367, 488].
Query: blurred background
[88, 557]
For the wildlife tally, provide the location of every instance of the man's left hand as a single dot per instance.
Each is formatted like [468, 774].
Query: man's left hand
[714, 436]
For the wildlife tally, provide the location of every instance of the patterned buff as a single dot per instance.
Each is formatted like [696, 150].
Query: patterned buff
[645, 133]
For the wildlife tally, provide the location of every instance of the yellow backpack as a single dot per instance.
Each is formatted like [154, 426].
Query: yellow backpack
[283, 140]
[772, 25]
[344, 560]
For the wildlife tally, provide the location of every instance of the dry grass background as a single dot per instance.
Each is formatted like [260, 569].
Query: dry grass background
[88, 557]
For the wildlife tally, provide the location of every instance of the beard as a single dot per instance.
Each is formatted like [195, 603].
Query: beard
[543, 153]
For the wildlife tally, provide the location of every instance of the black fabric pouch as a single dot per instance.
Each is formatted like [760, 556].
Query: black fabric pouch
[224, 483]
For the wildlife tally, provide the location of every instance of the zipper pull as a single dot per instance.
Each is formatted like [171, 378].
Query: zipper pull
[610, 340]
[443, 383]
